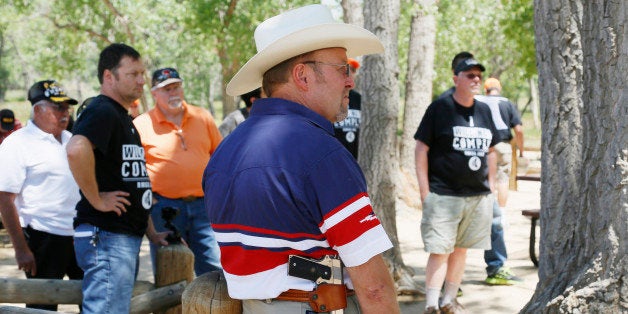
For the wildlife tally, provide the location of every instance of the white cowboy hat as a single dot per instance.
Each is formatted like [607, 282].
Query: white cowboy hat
[295, 32]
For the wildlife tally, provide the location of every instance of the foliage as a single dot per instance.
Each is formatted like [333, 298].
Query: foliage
[209, 40]
[67, 36]
[227, 29]
[499, 33]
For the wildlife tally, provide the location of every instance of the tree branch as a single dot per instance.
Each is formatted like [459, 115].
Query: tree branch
[122, 19]
[77, 27]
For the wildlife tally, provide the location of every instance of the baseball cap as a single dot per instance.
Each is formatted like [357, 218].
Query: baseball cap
[468, 64]
[49, 90]
[165, 76]
[8, 119]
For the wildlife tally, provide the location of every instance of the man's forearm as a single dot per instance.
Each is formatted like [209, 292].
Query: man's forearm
[83, 166]
[374, 286]
[492, 167]
[11, 221]
[421, 166]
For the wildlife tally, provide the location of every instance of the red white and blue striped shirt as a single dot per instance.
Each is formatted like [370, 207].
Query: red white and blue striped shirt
[281, 184]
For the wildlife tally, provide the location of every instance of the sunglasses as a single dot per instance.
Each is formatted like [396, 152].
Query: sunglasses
[472, 76]
[346, 71]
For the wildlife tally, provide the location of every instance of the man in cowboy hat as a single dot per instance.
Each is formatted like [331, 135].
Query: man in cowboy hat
[281, 185]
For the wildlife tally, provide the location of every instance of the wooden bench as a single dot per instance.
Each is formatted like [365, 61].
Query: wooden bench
[529, 178]
[534, 215]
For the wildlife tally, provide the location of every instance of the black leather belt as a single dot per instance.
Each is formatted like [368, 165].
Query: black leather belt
[188, 199]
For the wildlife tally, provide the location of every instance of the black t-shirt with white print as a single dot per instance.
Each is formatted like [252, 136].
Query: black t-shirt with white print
[459, 139]
[120, 165]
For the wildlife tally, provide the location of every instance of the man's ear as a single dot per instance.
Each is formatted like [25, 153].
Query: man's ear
[107, 75]
[300, 76]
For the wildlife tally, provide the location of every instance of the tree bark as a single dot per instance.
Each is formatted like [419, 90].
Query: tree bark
[583, 73]
[378, 152]
[418, 91]
[352, 12]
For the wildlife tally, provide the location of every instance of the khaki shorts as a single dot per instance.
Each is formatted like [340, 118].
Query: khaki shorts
[456, 221]
[290, 307]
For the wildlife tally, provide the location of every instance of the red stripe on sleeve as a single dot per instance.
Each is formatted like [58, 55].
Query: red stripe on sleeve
[352, 227]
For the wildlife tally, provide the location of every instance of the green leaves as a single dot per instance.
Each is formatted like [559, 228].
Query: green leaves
[209, 40]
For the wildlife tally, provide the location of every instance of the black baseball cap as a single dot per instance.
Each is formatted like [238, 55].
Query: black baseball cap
[165, 76]
[468, 64]
[49, 90]
[8, 119]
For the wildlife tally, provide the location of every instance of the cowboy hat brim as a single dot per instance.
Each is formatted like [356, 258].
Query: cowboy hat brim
[358, 41]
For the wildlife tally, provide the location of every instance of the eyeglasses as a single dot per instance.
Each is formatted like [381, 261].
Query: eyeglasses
[180, 135]
[346, 70]
[472, 76]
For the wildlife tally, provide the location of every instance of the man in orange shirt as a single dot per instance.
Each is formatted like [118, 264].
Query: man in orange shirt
[178, 140]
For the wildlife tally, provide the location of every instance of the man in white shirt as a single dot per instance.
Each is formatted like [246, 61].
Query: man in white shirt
[37, 191]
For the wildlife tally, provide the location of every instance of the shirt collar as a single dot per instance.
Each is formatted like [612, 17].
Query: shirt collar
[32, 128]
[161, 118]
[277, 106]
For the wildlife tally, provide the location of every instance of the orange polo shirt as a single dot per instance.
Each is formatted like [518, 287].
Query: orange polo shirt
[175, 158]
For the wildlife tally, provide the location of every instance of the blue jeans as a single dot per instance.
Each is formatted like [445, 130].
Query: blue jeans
[496, 256]
[109, 261]
[193, 224]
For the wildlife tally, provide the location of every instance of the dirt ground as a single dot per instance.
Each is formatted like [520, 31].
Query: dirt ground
[478, 297]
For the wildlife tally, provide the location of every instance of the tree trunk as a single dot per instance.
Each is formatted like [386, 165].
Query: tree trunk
[228, 102]
[418, 91]
[378, 153]
[583, 73]
[352, 12]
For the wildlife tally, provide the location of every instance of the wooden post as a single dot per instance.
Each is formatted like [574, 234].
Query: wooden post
[512, 180]
[208, 294]
[175, 263]
[160, 298]
[6, 309]
[50, 291]
[40, 291]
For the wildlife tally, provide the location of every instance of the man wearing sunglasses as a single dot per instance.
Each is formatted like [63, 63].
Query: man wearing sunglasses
[455, 165]
[37, 190]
